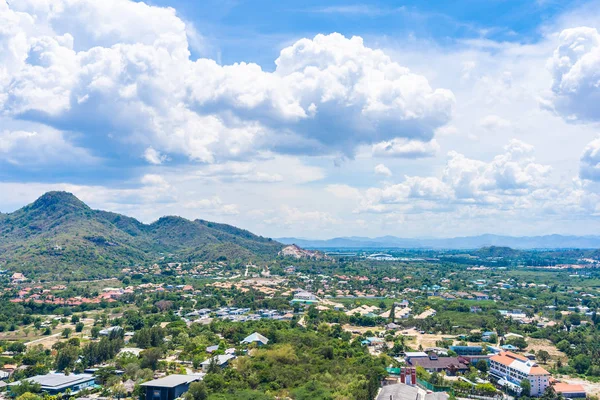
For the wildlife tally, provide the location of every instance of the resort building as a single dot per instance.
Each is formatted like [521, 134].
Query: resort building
[511, 369]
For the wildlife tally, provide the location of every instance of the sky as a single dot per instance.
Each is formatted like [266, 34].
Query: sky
[312, 119]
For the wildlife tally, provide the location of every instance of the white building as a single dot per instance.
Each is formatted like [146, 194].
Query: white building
[511, 369]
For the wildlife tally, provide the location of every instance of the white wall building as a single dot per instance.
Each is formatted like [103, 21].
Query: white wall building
[512, 368]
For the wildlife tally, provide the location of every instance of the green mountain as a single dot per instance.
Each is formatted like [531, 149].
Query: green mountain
[59, 235]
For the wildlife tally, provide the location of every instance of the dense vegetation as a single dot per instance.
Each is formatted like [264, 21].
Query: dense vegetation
[60, 235]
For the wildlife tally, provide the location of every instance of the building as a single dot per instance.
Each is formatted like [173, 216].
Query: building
[60, 383]
[467, 350]
[570, 391]
[510, 369]
[168, 388]
[18, 277]
[221, 361]
[255, 338]
[433, 363]
[305, 298]
[108, 331]
[401, 391]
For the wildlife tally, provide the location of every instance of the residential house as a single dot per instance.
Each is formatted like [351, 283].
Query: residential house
[55, 383]
[255, 338]
[170, 387]
[221, 361]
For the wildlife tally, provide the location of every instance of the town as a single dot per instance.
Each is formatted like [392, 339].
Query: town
[428, 328]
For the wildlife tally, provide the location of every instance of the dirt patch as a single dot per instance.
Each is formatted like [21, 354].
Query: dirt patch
[592, 388]
[544, 344]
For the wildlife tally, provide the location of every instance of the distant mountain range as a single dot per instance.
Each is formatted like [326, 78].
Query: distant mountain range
[58, 234]
[468, 242]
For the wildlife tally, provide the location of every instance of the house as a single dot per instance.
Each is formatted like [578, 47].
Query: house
[59, 383]
[467, 350]
[475, 309]
[255, 338]
[108, 331]
[509, 369]
[373, 341]
[17, 277]
[570, 391]
[481, 296]
[212, 349]
[168, 388]
[402, 391]
[304, 297]
[415, 354]
[221, 361]
[433, 363]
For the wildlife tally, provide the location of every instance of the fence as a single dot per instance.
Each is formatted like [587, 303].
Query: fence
[433, 388]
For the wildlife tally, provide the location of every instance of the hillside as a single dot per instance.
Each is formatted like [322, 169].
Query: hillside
[59, 235]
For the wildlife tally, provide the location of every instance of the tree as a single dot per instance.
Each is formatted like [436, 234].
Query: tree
[150, 358]
[543, 355]
[581, 363]
[525, 388]
[29, 396]
[79, 327]
[66, 358]
[67, 332]
[25, 387]
[95, 331]
[518, 342]
[197, 391]
[482, 366]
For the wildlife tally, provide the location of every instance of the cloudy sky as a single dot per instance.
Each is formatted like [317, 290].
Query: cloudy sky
[308, 118]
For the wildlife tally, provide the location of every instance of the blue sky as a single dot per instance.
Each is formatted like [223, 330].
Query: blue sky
[311, 119]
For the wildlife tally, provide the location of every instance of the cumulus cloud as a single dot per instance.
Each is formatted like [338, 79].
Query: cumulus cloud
[154, 157]
[45, 146]
[494, 122]
[381, 169]
[120, 69]
[510, 175]
[214, 205]
[292, 216]
[575, 67]
[403, 148]
[590, 161]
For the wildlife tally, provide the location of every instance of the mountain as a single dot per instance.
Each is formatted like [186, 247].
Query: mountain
[59, 235]
[468, 242]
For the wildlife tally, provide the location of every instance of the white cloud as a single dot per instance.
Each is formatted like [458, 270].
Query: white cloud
[124, 68]
[575, 68]
[294, 217]
[154, 157]
[381, 169]
[43, 146]
[214, 205]
[467, 181]
[494, 122]
[590, 161]
[402, 148]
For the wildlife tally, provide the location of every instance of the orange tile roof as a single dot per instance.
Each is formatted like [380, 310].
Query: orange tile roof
[568, 388]
[538, 371]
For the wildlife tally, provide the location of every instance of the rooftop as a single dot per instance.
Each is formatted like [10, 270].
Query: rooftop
[57, 381]
[172, 380]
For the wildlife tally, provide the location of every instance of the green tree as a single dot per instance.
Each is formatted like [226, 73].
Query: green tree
[543, 355]
[525, 388]
[482, 366]
[197, 391]
[581, 363]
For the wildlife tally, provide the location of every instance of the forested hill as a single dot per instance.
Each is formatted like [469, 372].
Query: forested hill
[60, 234]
